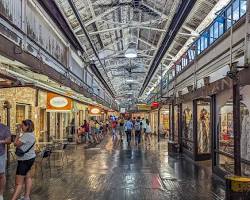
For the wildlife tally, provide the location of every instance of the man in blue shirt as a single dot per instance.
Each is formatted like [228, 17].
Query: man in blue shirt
[5, 138]
[128, 127]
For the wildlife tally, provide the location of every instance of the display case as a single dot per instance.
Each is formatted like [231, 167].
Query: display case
[176, 124]
[187, 129]
[223, 135]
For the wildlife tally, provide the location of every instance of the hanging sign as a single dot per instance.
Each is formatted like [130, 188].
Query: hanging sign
[57, 102]
[155, 104]
[143, 107]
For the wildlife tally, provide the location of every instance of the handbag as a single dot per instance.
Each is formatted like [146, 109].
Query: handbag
[20, 153]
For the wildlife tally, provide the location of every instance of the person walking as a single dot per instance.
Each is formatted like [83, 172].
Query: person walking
[93, 130]
[121, 128]
[25, 152]
[128, 127]
[144, 124]
[114, 134]
[148, 133]
[88, 137]
[138, 128]
[5, 138]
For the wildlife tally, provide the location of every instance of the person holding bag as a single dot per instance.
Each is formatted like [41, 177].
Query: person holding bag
[25, 152]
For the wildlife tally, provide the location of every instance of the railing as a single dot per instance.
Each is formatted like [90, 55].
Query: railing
[230, 15]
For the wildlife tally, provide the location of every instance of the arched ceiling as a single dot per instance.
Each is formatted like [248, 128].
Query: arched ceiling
[112, 24]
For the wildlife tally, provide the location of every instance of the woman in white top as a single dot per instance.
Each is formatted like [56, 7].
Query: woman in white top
[26, 144]
[148, 132]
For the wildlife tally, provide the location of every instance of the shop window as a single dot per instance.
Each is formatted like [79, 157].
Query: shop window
[221, 22]
[191, 54]
[203, 127]
[198, 46]
[226, 137]
[178, 68]
[187, 129]
[211, 34]
[229, 17]
[236, 10]
[245, 130]
[20, 113]
[216, 30]
[42, 119]
[243, 7]
[165, 121]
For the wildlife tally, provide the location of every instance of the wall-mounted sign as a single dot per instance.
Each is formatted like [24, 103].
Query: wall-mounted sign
[95, 110]
[57, 102]
[143, 107]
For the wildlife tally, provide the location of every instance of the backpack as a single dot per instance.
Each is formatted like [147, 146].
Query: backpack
[137, 126]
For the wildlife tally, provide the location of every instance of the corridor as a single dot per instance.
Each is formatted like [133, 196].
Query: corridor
[107, 172]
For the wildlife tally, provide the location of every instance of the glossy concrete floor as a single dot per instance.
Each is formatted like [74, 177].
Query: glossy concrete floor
[120, 172]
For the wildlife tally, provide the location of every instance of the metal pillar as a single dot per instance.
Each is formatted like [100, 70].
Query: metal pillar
[236, 127]
[247, 39]
[160, 103]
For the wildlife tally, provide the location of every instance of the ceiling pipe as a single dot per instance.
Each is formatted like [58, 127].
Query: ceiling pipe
[176, 23]
[93, 66]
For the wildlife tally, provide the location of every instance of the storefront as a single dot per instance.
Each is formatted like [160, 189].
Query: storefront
[24, 104]
[60, 117]
[96, 113]
[175, 125]
[164, 121]
[154, 121]
[225, 147]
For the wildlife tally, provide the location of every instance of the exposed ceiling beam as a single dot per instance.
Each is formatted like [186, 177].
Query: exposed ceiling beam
[96, 18]
[93, 66]
[156, 11]
[123, 27]
[147, 43]
[176, 23]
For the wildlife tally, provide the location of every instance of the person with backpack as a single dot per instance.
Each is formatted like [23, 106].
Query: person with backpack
[128, 128]
[138, 127]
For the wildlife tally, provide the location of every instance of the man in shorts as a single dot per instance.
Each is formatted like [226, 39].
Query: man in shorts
[5, 138]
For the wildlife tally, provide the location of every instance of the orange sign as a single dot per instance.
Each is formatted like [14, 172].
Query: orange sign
[57, 102]
[95, 110]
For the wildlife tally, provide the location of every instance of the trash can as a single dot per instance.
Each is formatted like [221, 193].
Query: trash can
[237, 188]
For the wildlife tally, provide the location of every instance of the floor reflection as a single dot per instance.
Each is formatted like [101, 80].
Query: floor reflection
[122, 172]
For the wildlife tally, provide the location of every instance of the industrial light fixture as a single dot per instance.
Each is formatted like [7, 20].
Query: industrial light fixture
[131, 51]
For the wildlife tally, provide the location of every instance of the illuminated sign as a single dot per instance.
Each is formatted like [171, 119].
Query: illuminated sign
[57, 102]
[95, 111]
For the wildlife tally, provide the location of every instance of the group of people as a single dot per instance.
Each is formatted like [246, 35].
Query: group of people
[136, 126]
[25, 153]
[93, 131]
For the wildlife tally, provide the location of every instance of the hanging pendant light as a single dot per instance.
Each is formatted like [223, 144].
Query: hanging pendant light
[131, 51]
